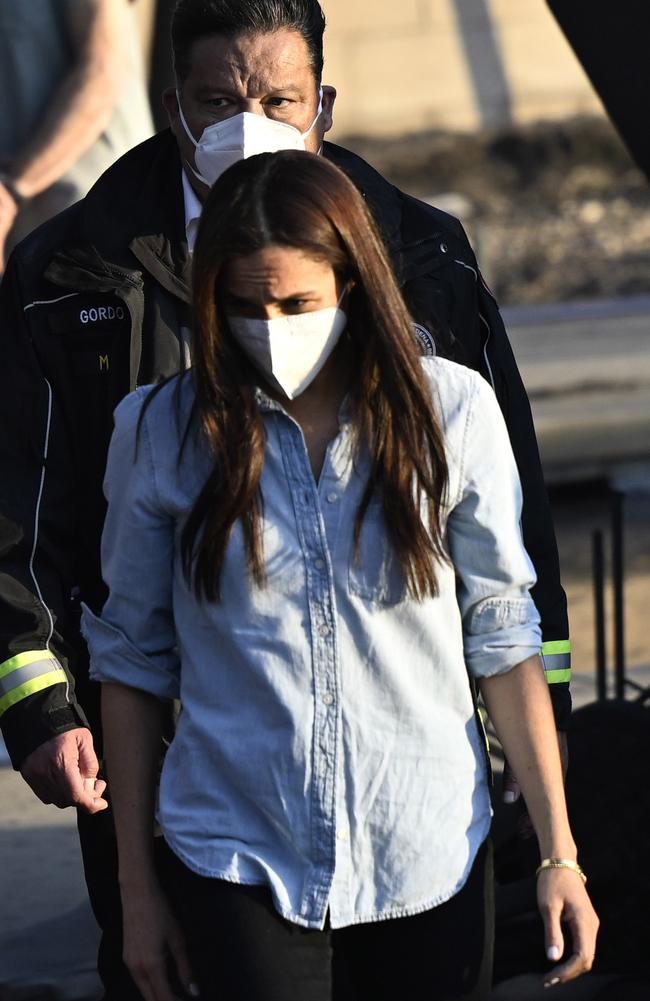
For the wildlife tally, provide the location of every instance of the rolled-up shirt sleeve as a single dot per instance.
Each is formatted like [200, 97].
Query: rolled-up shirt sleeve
[133, 641]
[494, 573]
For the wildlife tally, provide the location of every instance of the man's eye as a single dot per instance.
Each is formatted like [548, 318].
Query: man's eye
[218, 102]
[278, 102]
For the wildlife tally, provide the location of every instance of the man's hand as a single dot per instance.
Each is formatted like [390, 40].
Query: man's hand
[8, 212]
[63, 771]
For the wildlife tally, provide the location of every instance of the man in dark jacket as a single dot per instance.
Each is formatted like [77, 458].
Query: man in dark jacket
[97, 302]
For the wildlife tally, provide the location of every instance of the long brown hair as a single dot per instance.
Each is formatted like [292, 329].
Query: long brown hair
[299, 200]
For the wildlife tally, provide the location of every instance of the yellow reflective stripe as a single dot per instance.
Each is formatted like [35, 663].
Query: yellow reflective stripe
[22, 674]
[28, 678]
[556, 646]
[24, 659]
[556, 657]
[21, 692]
[558, 677]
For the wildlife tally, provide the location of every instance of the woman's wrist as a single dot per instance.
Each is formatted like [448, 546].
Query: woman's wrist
[558, 849]
[556, 862]
[555, 838]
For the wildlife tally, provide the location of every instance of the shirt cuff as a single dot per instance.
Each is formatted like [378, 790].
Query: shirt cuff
[113, 657]
[499, 634]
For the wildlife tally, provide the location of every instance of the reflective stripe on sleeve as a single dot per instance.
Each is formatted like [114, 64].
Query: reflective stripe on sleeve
[556, 658]
[28, 673]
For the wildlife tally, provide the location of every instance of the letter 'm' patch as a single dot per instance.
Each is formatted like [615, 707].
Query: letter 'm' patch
[92, 328]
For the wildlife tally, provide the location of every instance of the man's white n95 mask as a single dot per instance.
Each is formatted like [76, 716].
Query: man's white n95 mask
[290, 351]
[239, 137]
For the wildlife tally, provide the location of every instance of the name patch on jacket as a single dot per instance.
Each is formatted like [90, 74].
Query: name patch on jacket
[102, 314]
[92, 328]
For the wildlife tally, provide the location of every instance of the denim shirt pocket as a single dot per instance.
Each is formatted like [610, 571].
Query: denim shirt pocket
[374, 572]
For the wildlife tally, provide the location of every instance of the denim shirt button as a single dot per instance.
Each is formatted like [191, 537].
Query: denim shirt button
[328, 698]
[324, 630]
[332, 498]
[319, 563]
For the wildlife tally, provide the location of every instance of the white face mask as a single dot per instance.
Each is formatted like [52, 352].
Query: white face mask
[239, 137]
[290, 351]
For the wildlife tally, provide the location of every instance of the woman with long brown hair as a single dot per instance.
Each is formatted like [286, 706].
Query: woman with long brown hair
[312, 537]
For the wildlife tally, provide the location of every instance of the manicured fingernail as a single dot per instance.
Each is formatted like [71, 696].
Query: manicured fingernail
[553, 952]
[509, 796]
[552, 983]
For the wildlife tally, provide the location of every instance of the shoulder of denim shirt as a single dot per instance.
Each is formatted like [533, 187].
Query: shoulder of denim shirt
[169, 402]
[453, 387]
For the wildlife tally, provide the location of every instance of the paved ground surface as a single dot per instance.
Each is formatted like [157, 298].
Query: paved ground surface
[586, 366]
[48, 936]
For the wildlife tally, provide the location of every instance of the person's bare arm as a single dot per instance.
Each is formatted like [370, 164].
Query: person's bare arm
[519, 705]
[82, 104]
[132, 722]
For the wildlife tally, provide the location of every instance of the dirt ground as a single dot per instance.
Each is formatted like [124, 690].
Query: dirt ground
[555, 211]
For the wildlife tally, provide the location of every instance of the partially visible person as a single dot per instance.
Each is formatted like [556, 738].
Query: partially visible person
[311, 539]
[72, 100]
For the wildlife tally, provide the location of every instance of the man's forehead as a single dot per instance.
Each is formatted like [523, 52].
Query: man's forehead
[273, 60]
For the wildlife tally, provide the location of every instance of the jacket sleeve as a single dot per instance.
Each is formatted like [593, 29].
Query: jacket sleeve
[36, 531]
[501, 369]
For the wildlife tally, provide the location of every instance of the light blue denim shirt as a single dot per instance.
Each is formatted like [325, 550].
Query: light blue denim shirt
[327, 745]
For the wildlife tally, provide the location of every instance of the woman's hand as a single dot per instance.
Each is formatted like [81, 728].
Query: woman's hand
[562, 898]
[154, 945]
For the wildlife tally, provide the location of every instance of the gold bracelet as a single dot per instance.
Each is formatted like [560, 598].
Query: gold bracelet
[561, 863]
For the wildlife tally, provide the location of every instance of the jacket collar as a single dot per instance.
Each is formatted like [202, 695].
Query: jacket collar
[134, 215]
[382, 197]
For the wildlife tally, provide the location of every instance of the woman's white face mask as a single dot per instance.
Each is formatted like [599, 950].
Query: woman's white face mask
[290, 351]
[239, 137]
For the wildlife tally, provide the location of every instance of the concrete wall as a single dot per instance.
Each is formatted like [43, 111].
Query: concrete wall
[405, 65]
[144, 11]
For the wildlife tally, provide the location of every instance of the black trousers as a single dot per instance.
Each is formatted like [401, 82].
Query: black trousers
[242, 950]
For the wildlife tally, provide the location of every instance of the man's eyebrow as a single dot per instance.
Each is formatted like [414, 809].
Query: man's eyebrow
[209, 90]
[290, 88]
[224, 90]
